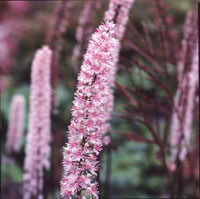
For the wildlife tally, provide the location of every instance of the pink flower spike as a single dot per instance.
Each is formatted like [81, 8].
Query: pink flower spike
[87, 128]
[38, 138]
[16, 124]
[183, 115]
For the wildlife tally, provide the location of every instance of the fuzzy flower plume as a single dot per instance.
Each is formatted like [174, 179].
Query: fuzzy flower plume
[38, 138]
[16, 124]
[88, 116]
[183, 115]
[118, 11]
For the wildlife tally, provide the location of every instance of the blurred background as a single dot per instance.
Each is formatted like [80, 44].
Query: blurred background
[136, 169]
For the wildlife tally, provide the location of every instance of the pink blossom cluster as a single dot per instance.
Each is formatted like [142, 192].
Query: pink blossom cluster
[118, 12]
[183, 114]
[38, 138]
[185, 96]
[16, 124]
[84, 28]
[89, 116]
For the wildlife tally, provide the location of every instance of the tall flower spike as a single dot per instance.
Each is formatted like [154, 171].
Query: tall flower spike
[88, 116]
[16, 124]
[118, 12]
[183, 115]
[38, 138]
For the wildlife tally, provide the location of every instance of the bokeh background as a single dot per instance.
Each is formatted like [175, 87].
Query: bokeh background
[136, 170]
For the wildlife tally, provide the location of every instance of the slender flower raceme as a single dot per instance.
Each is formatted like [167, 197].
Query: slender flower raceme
[185, 96]
[16, 124]
[192, 79]
[88, 116]
[183, 115]
[38, 138]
